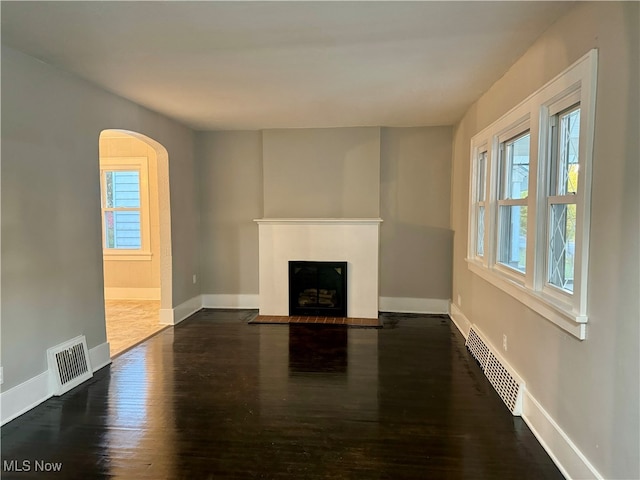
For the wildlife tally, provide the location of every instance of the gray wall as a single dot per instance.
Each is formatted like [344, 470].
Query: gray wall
[402, 174]
[230, 176]
[321, 172]
[415, 239]
[589, 387]
[51, 233]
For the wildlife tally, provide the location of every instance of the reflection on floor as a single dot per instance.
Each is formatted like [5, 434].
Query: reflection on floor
[131, 321]
[218, 398]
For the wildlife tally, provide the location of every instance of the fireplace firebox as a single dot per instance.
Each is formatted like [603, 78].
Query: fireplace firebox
[318, 288]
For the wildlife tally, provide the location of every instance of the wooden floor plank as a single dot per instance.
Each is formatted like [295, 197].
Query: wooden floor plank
[216, 397]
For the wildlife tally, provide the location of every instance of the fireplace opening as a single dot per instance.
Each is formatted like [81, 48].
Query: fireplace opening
[318, 289]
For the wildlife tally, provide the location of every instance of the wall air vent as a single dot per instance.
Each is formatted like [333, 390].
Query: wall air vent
[477, 347]
[506, 382]
[69, 365]
[508, 387]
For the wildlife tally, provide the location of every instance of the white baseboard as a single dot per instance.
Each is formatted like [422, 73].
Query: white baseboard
[462, 322]
[413, 305]
[166, 316]
[118, 293]
[231, 301]
[22, 398]
[568, 458]
[100, 356]
[185, 310]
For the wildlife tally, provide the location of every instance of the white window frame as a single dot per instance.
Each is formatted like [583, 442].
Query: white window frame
[109, 164]
[478, 152]
[548, 113]
[518, 130]
[568, 310]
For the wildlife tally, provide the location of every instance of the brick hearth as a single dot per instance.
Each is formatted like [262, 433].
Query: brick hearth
[350, 322]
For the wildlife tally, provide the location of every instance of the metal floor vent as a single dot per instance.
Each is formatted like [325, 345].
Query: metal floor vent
[506, 382]
[69, 365]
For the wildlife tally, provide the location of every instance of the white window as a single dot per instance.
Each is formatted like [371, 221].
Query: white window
[125, 208]
[529, 198]
[513, 188]
[564, 165]
[480, 198]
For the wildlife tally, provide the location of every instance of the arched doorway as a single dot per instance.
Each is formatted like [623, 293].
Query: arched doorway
[136, 224]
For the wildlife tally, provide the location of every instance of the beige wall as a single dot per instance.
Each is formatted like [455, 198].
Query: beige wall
[415, 239]
[52, 281]
[321, 172]
[138, 274]
[590, 387]
[230, 176]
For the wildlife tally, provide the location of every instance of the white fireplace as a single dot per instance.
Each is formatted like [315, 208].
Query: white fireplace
[352, 240]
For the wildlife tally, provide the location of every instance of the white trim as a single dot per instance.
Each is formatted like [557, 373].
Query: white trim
[413, 305]
[100, 356]
[557, 314]
[460, 320]
[166, 316]
[571, 462]
[178, 313]
[513, 202]
[316, 221]
[125, 293]
[127, 256]
[22, 398]
[223, 300]
[128, 163]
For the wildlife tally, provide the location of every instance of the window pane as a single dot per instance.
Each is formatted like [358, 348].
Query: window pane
[481, 174]
[514, 168]
[480, 232]
[122, 230]
[568, 143]
[562, 241]
[123, 189]
[512, 238]
[127, 230]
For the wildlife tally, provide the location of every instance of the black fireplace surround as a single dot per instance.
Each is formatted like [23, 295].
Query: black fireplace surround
[318, 289]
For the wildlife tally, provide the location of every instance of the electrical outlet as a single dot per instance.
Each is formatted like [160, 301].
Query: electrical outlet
[504, 342]
[459, 300]
[195, 279]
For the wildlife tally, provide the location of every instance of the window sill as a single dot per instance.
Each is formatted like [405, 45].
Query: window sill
[127, 255]
[558, 313]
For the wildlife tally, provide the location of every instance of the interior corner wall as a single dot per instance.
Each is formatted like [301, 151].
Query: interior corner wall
[401, 174]
[415, 239]
[230, 176]
[51, 229]
[322, 173]
[589, 388]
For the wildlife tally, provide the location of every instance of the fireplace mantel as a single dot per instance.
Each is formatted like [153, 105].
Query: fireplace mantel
[352, 240]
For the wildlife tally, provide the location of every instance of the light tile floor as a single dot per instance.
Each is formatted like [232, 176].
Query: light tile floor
[129, 322]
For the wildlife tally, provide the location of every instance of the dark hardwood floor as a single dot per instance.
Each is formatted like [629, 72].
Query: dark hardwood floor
[216, 397]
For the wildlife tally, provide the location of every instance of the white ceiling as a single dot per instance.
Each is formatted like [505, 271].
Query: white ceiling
[254, 65]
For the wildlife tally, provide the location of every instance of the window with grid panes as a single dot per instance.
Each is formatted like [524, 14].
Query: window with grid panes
[530, 194]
